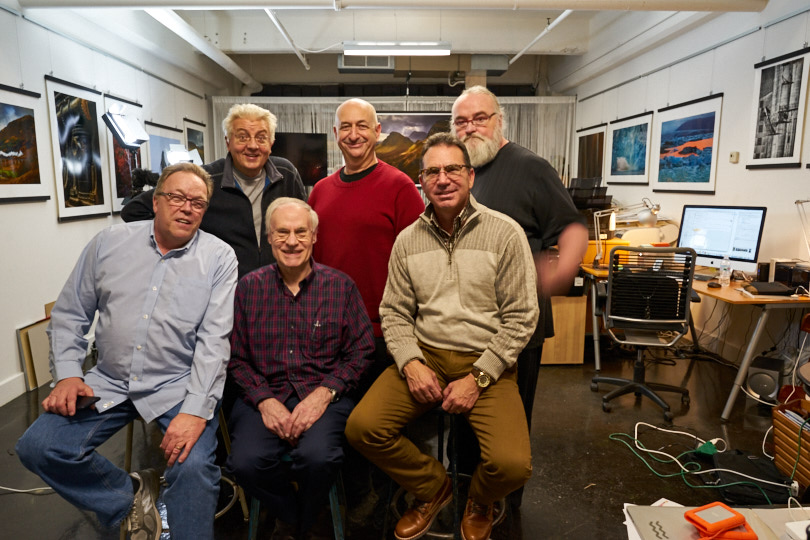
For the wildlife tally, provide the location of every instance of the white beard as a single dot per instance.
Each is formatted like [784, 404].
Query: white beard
[482, 150]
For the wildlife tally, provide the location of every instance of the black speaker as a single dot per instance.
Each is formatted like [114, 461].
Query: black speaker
[765, 378]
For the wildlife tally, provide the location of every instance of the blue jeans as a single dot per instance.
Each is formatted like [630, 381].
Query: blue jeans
[62, 451]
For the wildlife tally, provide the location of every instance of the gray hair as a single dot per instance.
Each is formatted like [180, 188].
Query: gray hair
[284, 201]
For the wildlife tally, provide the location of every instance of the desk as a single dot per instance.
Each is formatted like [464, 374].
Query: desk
[730, 295]
[766, 304]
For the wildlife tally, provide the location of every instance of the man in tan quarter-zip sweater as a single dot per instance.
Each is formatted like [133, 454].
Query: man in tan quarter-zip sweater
[459, 305]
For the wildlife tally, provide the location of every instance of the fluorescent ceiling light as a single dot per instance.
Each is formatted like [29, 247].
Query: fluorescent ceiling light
[396, 48]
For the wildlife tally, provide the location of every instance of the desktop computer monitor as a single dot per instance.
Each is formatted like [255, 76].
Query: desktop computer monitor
[718, 231]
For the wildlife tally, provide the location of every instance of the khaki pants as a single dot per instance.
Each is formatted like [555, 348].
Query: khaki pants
[497, 419]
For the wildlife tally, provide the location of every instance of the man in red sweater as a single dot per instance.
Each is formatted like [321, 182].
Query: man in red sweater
[362, 208]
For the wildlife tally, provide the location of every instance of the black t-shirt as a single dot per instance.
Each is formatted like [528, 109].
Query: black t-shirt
[525, 187]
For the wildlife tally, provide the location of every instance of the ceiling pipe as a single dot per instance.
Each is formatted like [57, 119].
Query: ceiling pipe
[548, 29]
[589, 5]
[287, 37]
[185, 31]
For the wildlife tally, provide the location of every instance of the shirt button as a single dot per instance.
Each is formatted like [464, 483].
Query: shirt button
[135, 378]
[146, 316]
[138, 347]
[154, 288]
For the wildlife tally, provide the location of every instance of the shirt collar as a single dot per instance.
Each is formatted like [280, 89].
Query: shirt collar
[181, 249]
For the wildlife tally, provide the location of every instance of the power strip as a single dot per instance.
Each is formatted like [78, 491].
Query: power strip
[797, 529]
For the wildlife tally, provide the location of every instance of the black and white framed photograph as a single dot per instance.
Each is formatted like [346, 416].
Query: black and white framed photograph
[780, 99]
[628, 146]
[685, 138]
[20, 131]
[80, 150]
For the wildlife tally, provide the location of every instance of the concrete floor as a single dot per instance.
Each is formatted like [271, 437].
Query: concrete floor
[581, 477]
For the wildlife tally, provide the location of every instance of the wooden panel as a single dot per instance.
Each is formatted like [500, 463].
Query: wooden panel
[568, 344]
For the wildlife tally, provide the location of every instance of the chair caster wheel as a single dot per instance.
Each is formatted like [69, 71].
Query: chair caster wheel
[607, 407]
[594, 387]
[685, 400]
[668, 416]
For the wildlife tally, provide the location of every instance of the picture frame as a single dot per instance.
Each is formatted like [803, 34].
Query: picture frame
[780, 101]
[402, 137]
[20, 143]
[195, 137]
[123, 161]
[591, 151]
[684, 148]
[80, 150]
[628, 149]
[160, 138]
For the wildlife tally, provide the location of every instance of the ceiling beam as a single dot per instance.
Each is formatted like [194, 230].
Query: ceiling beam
[577, 5]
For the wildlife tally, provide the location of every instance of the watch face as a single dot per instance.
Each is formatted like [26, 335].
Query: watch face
[482, 380]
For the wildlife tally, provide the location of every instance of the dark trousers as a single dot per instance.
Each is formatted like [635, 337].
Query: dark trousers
[258, 462]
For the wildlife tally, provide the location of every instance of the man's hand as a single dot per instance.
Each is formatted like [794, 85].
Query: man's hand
[422, 382]
[181, 436]
[460, 395]
[275, 416]
[307, 413]
[62, 399]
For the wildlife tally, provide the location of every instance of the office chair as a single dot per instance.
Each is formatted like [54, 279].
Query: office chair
[647, 305]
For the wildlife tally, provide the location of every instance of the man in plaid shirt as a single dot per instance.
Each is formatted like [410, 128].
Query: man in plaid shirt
[301, 341]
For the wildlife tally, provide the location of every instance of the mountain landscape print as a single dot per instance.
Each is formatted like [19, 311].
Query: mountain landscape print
[403, 135]
[19, 163]
[685, 153]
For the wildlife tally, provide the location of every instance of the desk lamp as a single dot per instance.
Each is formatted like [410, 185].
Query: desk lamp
[645, 212]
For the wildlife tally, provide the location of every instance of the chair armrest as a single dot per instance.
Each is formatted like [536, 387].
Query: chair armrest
[694, 297]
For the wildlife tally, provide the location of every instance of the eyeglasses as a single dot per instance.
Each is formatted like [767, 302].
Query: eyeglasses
[178, 201]
[281, 235]
[453, 171]
[243, 138]
[478, 121]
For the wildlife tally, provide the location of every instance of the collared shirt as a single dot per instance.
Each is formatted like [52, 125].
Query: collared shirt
[163, 320]
[285, 344]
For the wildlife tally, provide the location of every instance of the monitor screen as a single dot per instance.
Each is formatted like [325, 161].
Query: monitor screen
[307, 151]
[716, 231]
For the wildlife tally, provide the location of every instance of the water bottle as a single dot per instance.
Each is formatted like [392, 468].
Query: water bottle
[725, 272]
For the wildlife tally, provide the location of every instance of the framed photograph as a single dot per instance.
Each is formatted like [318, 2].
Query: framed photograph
[591, 151]
[123, 160]
[307, 151]
[160, 139]
[780, 98]
[195, 137]
[80, 150]
[19, 155]
[402, 136]
[628, 144]
[685, 140]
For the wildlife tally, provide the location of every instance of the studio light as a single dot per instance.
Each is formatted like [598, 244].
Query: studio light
[127, 129]
[645, 212]
[396, 48]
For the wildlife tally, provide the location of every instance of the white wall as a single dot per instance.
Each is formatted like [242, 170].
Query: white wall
[783, 27]
[38, 252]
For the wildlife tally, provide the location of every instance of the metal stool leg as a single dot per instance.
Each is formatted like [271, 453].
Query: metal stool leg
[253, 521]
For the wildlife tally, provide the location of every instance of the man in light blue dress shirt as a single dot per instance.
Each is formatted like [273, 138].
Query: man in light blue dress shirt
[164, 293]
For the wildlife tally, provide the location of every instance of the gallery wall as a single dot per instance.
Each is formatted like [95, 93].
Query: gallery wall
[38, 250]
[717, 57]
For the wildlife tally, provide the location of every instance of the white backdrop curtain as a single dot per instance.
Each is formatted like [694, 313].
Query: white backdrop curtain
[541, 124]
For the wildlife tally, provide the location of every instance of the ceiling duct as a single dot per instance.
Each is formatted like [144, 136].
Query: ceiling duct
[365, 64]
[494, 64]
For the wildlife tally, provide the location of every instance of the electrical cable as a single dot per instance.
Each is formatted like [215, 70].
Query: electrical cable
[35, 491]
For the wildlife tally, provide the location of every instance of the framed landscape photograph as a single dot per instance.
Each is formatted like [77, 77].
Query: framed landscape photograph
[80, 150]
[685, 138]
[591, 151]
[780, 99]
[628, 144]
[402, 137]
[20, 178]
[160, 139]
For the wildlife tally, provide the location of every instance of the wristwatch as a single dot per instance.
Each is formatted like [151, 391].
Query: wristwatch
[334, 393]
[481, 378]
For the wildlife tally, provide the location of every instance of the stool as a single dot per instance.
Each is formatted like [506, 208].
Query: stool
[238, 493]
[336, 504]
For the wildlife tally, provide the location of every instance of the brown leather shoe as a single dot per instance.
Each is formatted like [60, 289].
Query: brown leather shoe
[416, 521]
[477, 521]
